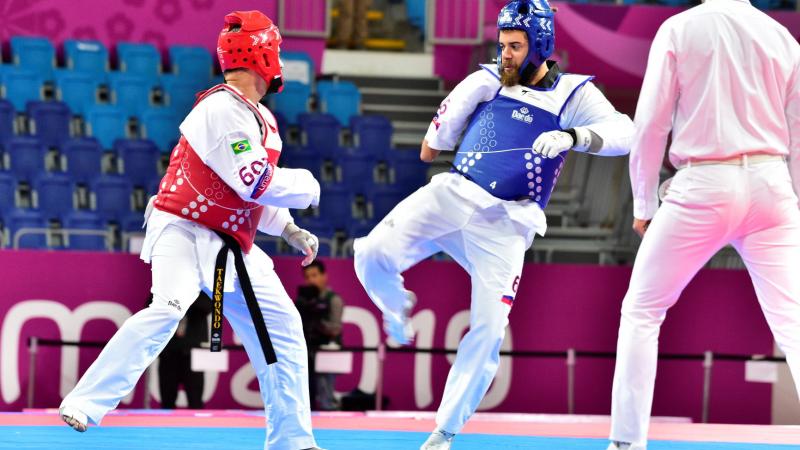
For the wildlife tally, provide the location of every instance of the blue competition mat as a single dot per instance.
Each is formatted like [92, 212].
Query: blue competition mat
[135, 438]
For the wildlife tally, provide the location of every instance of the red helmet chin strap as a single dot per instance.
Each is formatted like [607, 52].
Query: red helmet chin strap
[249, 40]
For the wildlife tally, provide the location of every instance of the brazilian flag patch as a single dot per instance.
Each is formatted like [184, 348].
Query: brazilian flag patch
[241, 147]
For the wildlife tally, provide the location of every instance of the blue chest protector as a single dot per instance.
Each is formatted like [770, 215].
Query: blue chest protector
[495, 151]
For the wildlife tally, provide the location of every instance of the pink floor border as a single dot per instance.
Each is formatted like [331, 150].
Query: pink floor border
[662, 428]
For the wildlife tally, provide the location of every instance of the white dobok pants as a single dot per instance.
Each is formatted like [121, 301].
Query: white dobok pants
[751, 207]
[177, 281]
[485, 242]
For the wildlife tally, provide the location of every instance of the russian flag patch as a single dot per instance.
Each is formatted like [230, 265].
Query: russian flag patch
[508, 300]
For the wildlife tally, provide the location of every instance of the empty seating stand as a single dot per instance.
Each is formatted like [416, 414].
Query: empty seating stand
[54, 194]
[34, 53]
[89, 57]
[319, 133]
[340, 99]
[161, 126]
[292, 101]
[27, 157]
[82, 159]
[79, 90]
[139, 59]
[138, 160]
[130, 92]
[50, 122]
[191, 64]
[106, 123]
[22, 85]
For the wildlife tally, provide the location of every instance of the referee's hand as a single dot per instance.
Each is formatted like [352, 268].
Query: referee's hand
[640, 226]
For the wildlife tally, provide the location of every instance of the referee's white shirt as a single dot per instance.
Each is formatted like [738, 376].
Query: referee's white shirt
[725, 79]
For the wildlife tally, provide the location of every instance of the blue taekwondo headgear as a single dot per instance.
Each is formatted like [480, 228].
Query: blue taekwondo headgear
[535, 18]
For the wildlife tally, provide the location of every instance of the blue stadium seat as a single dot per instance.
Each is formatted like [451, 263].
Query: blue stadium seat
[7, 116]
[8, 191]
[152, 188]
[292, 101]
[357, 171]
[86, 56]
[54, 192]
[77, 90]
[161, 126]
[415, 11]
[50, 122]
[341, 99]
[191, 63]
[27, 156]
[34, 53]
[106, 123]
[269, 244]
[409, 172]
[132, 222]
[320, 133]
[298, 67]
[360, 228]
[287, 152]
[112, 195]
[383, 199]
[283, 126]
[17, 219]
[130, 92]
[84, 220]
[320, 227]
[372, 135]
[180, 95]
[139, 59]
[84, 158]
[336, 205]
[139, 159]
[21, 86]
[302, 159]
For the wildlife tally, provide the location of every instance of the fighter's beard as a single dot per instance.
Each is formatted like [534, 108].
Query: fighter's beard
[510, 79]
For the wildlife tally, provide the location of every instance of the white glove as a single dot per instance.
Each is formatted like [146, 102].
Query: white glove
[552, 143]
[302, 240]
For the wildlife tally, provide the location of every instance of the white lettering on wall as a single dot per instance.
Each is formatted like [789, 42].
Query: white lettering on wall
[70, 324]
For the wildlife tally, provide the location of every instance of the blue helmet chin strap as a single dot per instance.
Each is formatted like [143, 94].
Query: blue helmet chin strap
[535, 18]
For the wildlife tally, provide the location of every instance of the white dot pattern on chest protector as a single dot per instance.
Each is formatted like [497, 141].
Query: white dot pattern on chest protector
[534, 169]
[234, 220]
[486, 143]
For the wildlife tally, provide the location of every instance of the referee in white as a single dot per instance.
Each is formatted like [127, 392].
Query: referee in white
[724, 78]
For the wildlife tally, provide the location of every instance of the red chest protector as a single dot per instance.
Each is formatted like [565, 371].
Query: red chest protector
[192, 191]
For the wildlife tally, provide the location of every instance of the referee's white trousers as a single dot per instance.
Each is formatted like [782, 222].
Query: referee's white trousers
[176, 285]
[486, 243]
[707, 207]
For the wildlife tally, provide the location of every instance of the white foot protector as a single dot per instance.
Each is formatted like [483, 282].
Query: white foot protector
[438, 440]
[74, 418]
[398, 326]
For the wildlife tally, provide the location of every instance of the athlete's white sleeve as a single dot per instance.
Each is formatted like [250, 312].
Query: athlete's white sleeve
[225, 135]
[599, 127]
[793, 122]
[274, 220]
[456, 109]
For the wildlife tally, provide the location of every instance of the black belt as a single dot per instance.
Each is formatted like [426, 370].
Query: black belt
[249, 297]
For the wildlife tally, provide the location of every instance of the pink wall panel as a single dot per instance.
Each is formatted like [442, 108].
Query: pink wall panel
[55, 295]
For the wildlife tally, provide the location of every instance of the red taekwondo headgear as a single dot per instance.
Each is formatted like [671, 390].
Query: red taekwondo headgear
[249, 40]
